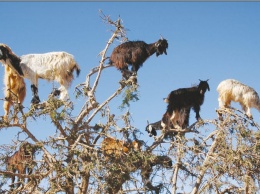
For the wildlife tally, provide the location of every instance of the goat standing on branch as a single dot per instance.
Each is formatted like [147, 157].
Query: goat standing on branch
[15, 90]
[186, 98]
[182, 119]
[232, 90]
[21, 161]
[165, 122]
[58, 66]
[116, 148]
[152, 127]
[135, 53]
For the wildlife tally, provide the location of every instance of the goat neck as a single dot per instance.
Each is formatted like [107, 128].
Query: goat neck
[151, 48]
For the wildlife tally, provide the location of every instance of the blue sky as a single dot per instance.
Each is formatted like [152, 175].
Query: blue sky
[207, 40]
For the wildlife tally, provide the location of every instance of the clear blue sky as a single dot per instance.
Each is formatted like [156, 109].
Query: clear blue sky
[207, 40]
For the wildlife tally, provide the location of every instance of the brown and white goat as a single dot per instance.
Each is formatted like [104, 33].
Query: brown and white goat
[52, 66]
[15, 90]
[116, 148]
[21, 161]
[181, 117]
[135, 53]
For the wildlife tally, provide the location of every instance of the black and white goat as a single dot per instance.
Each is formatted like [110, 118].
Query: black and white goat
[135, 53]
[181, 100]
[58, 66]
[232, 90]
[151, 128]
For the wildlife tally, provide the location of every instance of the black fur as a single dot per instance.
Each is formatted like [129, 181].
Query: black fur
[152, 127]
[188, 98]
[35, 99]
[135, 53]
[5, 54]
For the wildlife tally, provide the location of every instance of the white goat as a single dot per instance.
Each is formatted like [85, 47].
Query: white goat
[58, 66]
[232, 90]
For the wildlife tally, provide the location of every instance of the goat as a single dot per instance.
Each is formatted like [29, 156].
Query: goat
[21, 161]
[135, 53]
[15, 90]
[58, 66]
[186, 98]
[152, 127]
[232, 90]
[115, 147]
[182, 119]
[165, 122]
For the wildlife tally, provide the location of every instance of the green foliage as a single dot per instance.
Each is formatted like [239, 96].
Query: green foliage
[130, 94]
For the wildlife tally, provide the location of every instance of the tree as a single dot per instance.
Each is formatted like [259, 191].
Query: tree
[211, 155]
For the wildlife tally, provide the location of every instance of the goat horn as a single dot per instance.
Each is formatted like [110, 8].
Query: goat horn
[148, 122]
[161, 37]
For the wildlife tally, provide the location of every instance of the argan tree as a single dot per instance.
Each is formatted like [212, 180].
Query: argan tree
[218, 156]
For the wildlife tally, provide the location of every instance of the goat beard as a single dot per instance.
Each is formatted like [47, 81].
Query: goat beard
[160, 53]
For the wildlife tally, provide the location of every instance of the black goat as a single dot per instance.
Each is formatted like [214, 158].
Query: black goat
[186, 98]
[135, 53]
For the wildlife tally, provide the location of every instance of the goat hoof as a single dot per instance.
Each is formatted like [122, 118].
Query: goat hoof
[35, 100]
[56, 92]
[199, 119]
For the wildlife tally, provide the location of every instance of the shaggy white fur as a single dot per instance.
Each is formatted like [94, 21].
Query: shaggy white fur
[232, 90]
[58, 66]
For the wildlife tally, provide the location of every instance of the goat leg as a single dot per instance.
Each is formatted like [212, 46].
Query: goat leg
[35, 99]
[55, 92]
